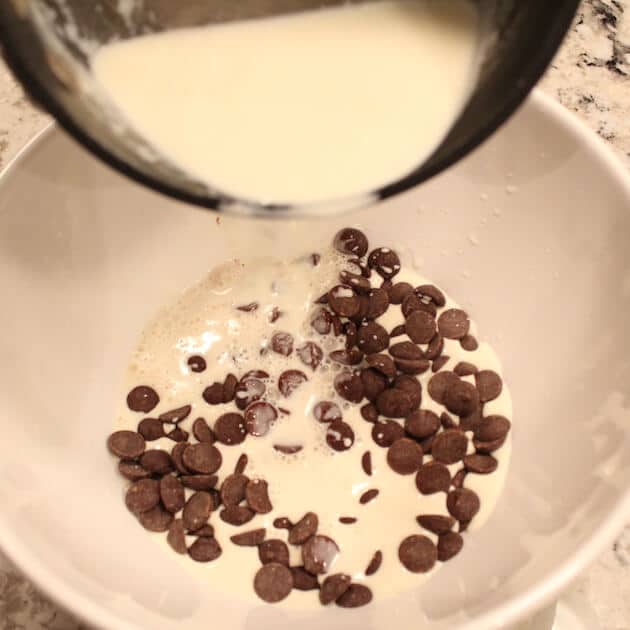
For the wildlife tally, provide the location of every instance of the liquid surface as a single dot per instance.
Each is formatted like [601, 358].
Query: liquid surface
[205, 321]
[308, 107]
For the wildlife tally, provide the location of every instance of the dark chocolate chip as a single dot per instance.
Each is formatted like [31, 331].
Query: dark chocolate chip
[431, 293]
[237, 515]
[132, 470]
[417, 553]
[304, 529]
[290, 380]
[229, 429]
[462, 504]
[177, 453]
[252, 538]
[355, 281]
[397, 331]
[413, 303]
[344, 301]
[259, 417]
[450, 446]
[395, 403]
[461, 398]
[229, 388]
[347, 520]
[197, 511]
[322, 321]
[369, 413]
[375, 563]
[142, 495]
[233, 489]
[436, 523]
[352, 356]
[273, 550]
[349, 386]
[241, 464]
[378, 303]
[213, 394]
[366, 463]
[488, 447]
[288, 449]
[310, 354]
[156, 520]
[176, 415]
[480, 464]
[248, 308]
[303, 580]
[406, 350]
[449, 545]
[440, 383]
[196, 363]
[489, 384]
[273, 582]
[469, 343]
[492, 428]
[386, 433]
[202, 432]
[142, 398]
[333, 587]
[257, 496]
[247, 391]
[318, 554]
[439, 363]
[372, 338]
[202, 458]
[374, 382]
[447, 422]
[420, 327]
[275, 314]
[435, 347]
[356, 596]
[282, 522]
[399, 291]
[458, 478]
[176, 537]
[422, 424]
[351, 241]
[405, 456]
[327, 411]
[172, 494]
[453, 323]
[382, 363]
[385, 262]
[199, 482]
[204, 550]
[178, 435]
[411, 386]
[282, 343]
[126, 444]
[151, 429]
[368, 496]
[465, 369]
[433, 477]
[205, 530]
[350, 331]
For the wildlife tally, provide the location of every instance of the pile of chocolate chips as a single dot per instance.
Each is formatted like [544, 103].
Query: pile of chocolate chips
[380, 374]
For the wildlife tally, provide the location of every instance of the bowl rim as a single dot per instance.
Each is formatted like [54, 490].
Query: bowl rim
[509, 612]
[221, 201]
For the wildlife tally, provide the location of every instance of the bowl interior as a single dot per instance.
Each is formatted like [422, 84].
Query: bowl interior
[530, 234]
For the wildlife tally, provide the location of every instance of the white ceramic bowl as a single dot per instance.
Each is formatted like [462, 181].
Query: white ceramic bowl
[531, 233]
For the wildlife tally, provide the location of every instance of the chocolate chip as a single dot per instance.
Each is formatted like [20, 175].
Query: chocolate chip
[386, 433]
[436, 523]
[449, 545]
[422, 424]
[344, 301]
[259, 417]
[350, 331]
[417, 553]
[382, 363]
[440, 383]
[151, 429]
[252, 538]
[176, 537]
[450, 447]
[447, 422]
[465, 369]
[413, 366]
[435, 347]
[230, 428]
[429, 292]
[202, 458]
[261, 375]
[322, 299]
[241, 464]
[197, 510]
[249, 390]
[204, 550]
[257, 496]
[290, 380]
[492, 428]
[366, 463]
[358, 266]
[310, 354]
[126, 444]
[399, 292]
[406, 350]
[237, 515]
[304, 529]
[480, 464]
[326, 412]
[177, 457]
[349, 386]
[178, 435]
[461, 398]
[157, 462]
[458, 478]
[142, 398]
[372, 338]
[369, 413]
[453, 323]
[385, 262]
[132, 470]
[433, 477]
[351, 241]
[156, 519]
[439, 363]
[355, 281]
[318, 554]
[339, 435]
[213, 394]
[202, 432]
[413, 303]
[142, 495]
[205, 530]
[378, 303]
[275, 314]
[427, 444]
[273, 582]
[347, 520]
[172, 494]
[352, 356]
[303, 580]
[420, 327]
[356, 596]
[462, 504]
[489, 385]
[248, 308]
[397, 331]
[176, 415]
[488, 447]
[199, 482]
[333, 587]
[288, 449]
[468, 343]
[274, 550]
[282, 343]
[282, 523]
[404, 456]
[395, 403]
[412, 387]
[322, 321]
[373, 383]
[196, 363]
[233, 489]
[368, 495]
[375, 563]
[229, 387]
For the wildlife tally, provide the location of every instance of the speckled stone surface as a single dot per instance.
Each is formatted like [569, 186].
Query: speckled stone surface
[591, 76]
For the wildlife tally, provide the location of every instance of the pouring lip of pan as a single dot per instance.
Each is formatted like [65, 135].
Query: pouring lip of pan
[228, 204]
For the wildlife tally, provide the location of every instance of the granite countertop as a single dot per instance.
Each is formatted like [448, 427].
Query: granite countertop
[590, 76]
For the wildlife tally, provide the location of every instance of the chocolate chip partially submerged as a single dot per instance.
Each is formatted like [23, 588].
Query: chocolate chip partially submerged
[327, 411]
[417, 553]
[196, 363]
[339, 435]
[319, 553]
[290, 380]
[351, 241]
[310, 354]
[259, 418]
[349, 386]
